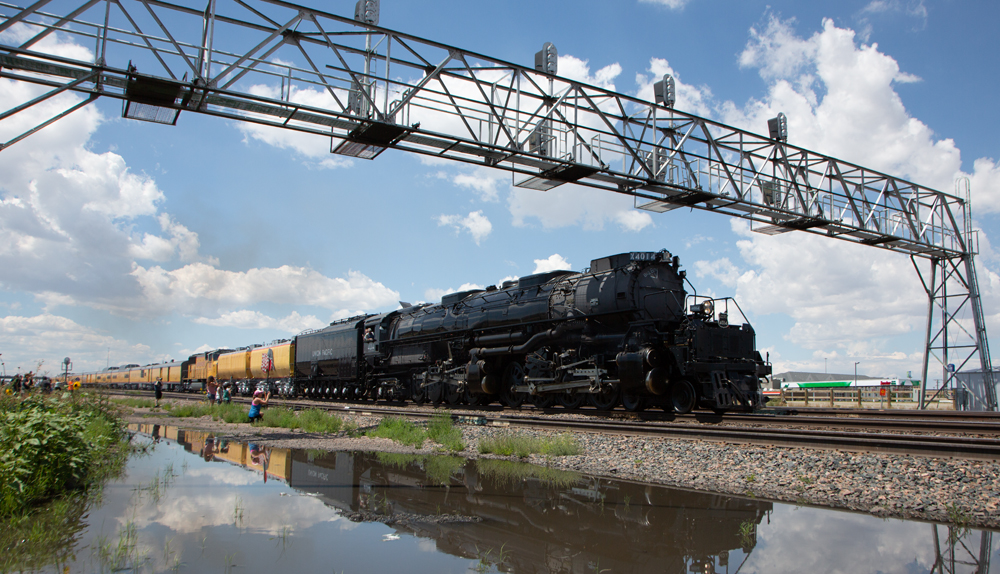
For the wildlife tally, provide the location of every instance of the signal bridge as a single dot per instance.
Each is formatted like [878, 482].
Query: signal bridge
[387, 89]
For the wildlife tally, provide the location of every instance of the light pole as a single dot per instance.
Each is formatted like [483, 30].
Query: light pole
[856, 387]
[67, 365]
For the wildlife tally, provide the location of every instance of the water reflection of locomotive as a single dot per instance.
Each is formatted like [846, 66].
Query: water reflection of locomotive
[552, 522]
[623, 331]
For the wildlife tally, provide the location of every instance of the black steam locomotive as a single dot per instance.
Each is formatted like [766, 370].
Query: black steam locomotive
[623, 331]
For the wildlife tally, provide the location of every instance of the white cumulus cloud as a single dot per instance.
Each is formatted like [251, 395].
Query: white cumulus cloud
[554, 262]
[248, 319]
[477, 224]
[840, 99]
[671, 4]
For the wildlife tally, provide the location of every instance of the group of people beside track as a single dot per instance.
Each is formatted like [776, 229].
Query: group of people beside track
[20, 384]
[222, 393]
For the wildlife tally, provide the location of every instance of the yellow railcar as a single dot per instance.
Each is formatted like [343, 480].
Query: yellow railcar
[279, 364]
[137, 377]
[234, 366]
[168, 373]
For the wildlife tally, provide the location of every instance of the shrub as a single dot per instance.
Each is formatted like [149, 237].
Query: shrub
[49, 446]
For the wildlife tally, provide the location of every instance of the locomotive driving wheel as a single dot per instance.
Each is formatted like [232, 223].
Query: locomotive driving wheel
[453, 395]
[607, 398]
[513, 375]
[682, 396]
[633, 403]
[572, 400]
[435, 393]
[418, 394]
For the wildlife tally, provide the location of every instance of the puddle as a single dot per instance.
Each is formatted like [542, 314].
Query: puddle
[200, 503]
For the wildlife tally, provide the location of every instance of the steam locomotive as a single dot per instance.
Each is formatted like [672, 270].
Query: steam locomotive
[624, 331]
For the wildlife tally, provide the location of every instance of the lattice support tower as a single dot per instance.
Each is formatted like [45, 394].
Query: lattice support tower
[956, 552]
[387, 89]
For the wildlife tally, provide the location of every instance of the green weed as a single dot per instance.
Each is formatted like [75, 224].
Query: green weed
[508, 473]
[400, 430]
[441, 430]
[748, 534]
[441, 468]
[522, 446]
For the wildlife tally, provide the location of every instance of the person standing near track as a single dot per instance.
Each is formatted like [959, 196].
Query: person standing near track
[158, 390]
[212, 387]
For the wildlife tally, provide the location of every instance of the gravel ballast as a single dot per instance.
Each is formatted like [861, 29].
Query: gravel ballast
[958, 491]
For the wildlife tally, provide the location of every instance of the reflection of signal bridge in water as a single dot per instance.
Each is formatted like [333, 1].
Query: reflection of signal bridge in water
[386, 89]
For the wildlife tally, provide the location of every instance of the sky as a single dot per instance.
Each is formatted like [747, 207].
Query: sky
[129, 242]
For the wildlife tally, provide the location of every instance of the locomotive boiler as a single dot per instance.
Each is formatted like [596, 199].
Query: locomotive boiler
[625, 330]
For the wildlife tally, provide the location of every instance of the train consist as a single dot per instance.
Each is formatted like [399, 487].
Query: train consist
[625, 332]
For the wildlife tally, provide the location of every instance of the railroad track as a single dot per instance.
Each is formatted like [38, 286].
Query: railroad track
[766, 429]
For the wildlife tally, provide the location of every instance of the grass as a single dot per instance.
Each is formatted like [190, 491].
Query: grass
[509, 473]
[399, 430]
[310, 420]
[522, 446]
[397, 459]
[748, 534]
[439, 429]
[134, 403]
[441, 468]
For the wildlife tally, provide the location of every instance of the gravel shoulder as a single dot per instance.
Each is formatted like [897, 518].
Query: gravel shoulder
[956, 491]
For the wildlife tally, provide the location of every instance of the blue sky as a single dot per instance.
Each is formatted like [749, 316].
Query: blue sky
[124, 241]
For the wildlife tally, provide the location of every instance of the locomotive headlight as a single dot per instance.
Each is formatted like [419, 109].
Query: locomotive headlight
[707, 308]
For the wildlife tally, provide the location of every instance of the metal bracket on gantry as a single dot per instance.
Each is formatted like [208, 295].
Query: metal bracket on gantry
[248, 60]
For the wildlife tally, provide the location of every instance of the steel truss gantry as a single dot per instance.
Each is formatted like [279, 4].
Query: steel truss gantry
[263, 61]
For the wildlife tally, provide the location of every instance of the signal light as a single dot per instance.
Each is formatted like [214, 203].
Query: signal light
[664, 92]
[778, 128]
[547, 60]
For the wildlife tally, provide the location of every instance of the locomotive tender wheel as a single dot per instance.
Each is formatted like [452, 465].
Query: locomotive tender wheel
[513, 376]
[633, 403]
[607, 399]
[572, 400]
[543, 401]
[682, 396]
